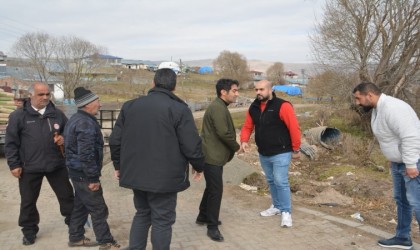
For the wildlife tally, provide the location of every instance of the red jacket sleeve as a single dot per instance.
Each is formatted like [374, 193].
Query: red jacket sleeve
[247, 128]
[287, 115]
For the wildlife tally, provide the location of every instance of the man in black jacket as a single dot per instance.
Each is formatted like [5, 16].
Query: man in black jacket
[152, 143]
[84, 154]
[32, 150]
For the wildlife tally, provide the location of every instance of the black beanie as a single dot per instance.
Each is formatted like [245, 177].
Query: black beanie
[83, 96]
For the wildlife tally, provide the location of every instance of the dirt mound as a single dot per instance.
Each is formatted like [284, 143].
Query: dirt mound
[332, 185]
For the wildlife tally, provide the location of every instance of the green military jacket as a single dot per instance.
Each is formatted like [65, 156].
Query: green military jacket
[218, 134]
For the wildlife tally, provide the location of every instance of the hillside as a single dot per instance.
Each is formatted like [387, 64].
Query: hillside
[260, 65]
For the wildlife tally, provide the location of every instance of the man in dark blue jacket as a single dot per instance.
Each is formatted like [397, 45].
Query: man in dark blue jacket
[152, 143]
[32, 150]
[84, 154]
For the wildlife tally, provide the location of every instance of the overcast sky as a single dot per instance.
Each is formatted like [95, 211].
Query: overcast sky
[270, 30]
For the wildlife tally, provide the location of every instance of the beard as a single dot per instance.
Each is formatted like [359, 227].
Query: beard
[262, 98]
[366, 108]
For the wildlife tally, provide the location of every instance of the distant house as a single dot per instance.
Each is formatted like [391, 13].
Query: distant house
[105, 59]
[3, 69]
[296, 81]
[3, 57]
[20, 78]
[133, 64]
[290, 74]
[13, 82]
[256, 75]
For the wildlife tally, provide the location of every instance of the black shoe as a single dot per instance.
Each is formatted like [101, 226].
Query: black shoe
[215, 235]
[396, 242]
[204, 222]
[67, 220]
[27, 240]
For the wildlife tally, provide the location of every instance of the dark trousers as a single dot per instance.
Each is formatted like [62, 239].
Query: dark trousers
[212, 197]
[88, 202]
[156, 210]
[30, 187]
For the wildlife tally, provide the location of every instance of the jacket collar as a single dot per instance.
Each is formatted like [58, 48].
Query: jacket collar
[222, 101]
[49, 111]
[166, 92]
[257, 102]
[82, 112]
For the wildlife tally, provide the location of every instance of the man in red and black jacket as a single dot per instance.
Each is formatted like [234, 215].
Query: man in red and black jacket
[277, 135]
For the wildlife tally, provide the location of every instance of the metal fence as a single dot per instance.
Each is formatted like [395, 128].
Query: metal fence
[107, 119]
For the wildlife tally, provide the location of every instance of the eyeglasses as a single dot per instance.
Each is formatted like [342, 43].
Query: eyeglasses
[44, 94]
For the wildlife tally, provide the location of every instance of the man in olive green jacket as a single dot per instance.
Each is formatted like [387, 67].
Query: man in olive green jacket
[219, 146]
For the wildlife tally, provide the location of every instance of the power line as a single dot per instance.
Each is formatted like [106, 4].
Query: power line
[31, 27]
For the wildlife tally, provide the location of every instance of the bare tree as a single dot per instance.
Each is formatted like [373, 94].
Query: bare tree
[61, 57]
[232, 65]
[334, 85]
[72, 68]
[138, 82]
[275, 73]
[379, 39]
[38, 49]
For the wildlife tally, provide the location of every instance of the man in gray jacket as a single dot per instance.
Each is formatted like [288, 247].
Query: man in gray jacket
[396, 126]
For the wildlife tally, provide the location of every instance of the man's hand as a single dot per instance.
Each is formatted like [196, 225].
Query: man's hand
[412, 172]
[117, 174]
[94, 186]
[196, 175]
[17, 172]
[244, 147]
[59, 140]
[296, 155]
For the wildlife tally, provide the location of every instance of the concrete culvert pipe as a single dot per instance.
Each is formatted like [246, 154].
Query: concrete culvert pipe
[326, 136]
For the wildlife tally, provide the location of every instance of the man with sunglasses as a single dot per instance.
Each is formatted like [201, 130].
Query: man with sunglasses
[32, 149]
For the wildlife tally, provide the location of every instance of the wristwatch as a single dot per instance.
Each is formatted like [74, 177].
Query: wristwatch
[296, 151]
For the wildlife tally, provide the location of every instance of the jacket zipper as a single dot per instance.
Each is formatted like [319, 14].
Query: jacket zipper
[49, 124]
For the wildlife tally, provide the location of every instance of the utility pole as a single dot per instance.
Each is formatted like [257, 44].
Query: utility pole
[182, 79]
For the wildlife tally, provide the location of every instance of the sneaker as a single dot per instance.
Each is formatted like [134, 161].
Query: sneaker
[270, 212]
[85, 242]
[109, 245]
[286, 219]
[396, 242]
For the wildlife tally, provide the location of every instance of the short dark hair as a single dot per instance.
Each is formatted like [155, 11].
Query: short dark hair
[367, 87]
[165, 78]
[225, 84]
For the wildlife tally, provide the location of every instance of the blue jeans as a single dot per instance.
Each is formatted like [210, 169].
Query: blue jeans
[276, 169]
[88, 202]
[407, 197]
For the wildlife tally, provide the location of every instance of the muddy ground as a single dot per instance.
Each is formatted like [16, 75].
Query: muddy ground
[332, 185]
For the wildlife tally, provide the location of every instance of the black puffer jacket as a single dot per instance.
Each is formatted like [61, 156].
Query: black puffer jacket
[153, 141]
[30, 139]
[84, 146]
